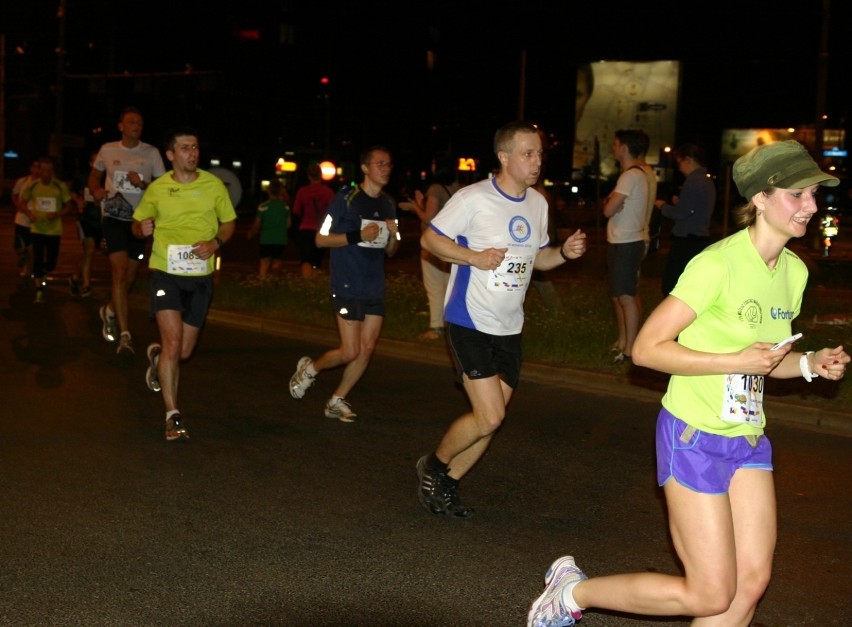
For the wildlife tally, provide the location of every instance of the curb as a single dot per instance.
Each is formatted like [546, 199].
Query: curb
[641, 384]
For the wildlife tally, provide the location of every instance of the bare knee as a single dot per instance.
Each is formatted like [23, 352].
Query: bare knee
[489, 422]
[713, 599]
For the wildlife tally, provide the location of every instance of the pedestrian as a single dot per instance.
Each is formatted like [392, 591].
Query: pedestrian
[90, 232]
[189, 213]
[271, 223]
[715, 334]
[47, 199]
[628, 211]
[361, 230]
[494, 233]
[23, 245]
[120, 174]
[436, 272]
[691, 212]
[309, 207]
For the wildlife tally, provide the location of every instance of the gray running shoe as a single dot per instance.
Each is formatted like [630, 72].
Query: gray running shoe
[39, 297]
[341, 410]
[301, 380]
[110, 329]
[175, 429]
[151, 377]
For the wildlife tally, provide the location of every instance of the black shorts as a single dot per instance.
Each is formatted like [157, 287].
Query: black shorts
[357, 310]
[22, 237]
[87, 230]
[190, 295]
[119, 238]
[623, 263]
[271, 251]
[481, 355]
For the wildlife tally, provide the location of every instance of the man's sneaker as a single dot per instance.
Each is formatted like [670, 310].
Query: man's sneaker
[125, 346]
[340, 409]
[74, 284]
[301, 380]
[151, 377]
[175, 429]
[109, 330]
[438, 493]
[85, 291]
[39, 297]
[550, 609]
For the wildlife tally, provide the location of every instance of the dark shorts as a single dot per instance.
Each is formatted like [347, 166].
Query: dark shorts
[309, 252]
[119, 238]
[481, 355]
[623, 262]
[87, 230]
[23, 238]
[190, 295]
[705, 462]
[357, 310]
[271, 251]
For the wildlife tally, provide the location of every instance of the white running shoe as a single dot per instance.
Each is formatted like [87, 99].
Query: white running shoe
[550, 609]
[341, 410]
[301, 380]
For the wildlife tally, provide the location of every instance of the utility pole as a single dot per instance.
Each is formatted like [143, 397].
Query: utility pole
[58, 141]
[822, 81]
[2, 111]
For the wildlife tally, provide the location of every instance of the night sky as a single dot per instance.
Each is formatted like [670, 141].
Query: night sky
[744, 64]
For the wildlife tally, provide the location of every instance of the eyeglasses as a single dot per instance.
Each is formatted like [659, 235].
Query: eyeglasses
[382, 164]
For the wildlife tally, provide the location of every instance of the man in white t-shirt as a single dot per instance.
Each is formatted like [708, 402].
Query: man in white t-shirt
[494, 233]
[628, 209]
[120, 173]
[23, 245]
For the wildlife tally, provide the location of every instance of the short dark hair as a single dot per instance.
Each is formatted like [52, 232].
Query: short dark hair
[636, 140]
[505, 135]
[179, 131]
[691, 150]
[127, 110]
[367, 153]
[445, 169]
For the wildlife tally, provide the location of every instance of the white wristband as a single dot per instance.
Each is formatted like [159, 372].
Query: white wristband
[805, 368]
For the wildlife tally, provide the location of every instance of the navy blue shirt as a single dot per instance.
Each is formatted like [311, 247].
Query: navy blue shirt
[358, 272]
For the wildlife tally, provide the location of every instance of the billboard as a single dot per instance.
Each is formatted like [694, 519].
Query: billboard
[614, 95]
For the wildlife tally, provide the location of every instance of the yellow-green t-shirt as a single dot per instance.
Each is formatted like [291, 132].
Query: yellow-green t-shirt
[47, 202]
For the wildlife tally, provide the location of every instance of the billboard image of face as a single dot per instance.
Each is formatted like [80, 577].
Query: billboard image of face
[614, 95]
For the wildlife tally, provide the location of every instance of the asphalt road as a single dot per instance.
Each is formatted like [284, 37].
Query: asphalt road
[275, 515]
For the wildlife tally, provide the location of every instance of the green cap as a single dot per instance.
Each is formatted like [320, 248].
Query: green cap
[780, 164]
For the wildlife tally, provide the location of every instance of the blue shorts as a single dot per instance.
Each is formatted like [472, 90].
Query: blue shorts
[481, 355]
[190, 295]
[357, 310]
[705, 462]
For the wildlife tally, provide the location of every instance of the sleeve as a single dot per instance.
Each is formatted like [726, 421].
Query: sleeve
[701, 281]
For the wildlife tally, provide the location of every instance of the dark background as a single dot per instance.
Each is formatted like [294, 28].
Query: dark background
[247, 73]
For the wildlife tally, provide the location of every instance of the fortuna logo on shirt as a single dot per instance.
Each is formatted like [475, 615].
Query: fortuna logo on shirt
[780, 314]
[519, 229]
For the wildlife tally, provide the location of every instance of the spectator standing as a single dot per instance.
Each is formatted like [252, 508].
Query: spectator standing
[494, 233]
[691, 212]
[436, 273]
[715, 335]
[628, 211]
[47, 199]
[23, 245]
[271, 222]
[121, 172]
[91, 235]
[361, 229]
[309, 207]
[190, 215]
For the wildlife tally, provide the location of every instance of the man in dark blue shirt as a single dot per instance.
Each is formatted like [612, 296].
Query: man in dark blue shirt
[361, 229]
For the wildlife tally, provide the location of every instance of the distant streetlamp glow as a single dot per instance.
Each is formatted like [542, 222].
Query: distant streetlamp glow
[328, 170]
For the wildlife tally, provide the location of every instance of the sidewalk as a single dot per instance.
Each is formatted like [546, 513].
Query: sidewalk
[641, 384]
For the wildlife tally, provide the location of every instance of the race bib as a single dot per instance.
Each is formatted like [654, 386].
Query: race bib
[46, 205]
[743, 402]
[181, 260]
[382, 239]
[122, 184]
[512, 275]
